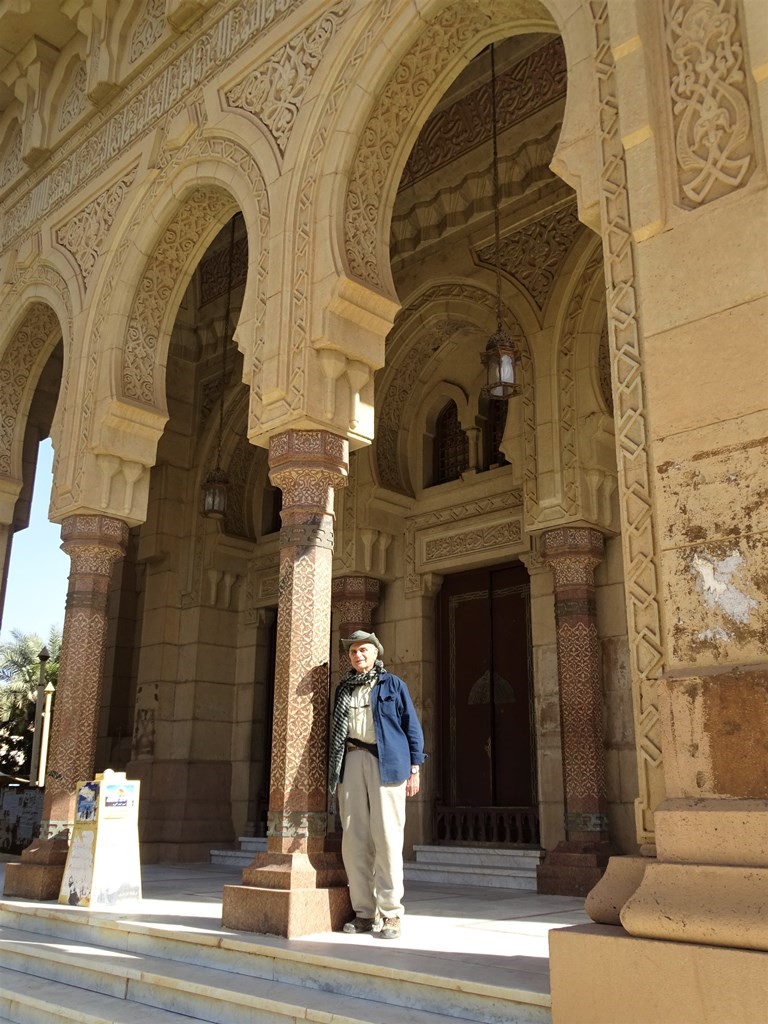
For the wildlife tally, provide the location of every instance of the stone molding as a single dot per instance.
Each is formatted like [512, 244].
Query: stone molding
[635, 496]
[476, 532]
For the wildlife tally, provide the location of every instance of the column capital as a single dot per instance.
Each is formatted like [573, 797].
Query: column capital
[573, 553]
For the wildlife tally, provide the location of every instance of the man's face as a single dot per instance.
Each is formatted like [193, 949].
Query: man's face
[362, 656]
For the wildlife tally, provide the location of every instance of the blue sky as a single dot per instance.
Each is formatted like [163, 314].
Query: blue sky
[37, 580]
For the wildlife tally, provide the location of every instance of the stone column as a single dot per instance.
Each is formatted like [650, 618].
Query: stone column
[297, 886]
[94, 544]
[577, 864]
[354, 599]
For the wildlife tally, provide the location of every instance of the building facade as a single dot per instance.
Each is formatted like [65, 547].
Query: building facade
[260, 238]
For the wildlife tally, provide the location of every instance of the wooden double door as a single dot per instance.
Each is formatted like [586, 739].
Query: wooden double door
[488, 756]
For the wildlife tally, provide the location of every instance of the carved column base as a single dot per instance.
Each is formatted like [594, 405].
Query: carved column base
[289, 894]
[39, 874]
[573, 868]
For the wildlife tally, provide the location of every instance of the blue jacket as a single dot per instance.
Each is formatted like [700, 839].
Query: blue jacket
[399, 737]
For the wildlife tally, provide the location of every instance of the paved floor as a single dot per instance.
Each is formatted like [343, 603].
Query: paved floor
[497, 936]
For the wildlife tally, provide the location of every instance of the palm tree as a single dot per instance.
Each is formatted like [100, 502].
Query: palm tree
[19, 676]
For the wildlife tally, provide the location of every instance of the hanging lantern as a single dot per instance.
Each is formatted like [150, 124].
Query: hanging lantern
[216, 484]
[501, 358]
[215, 489]
[501, 361]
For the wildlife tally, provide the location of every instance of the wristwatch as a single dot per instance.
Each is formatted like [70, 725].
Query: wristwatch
[414, 769]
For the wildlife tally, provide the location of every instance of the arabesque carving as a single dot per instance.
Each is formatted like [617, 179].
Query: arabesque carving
[84, 234]
[76, 99]
[159, 282]
[274, 91]
[533, 255]
[12, 164]
[637, 536]
[34, 334]
[527, 87]
[160, 89]
[149, 28]
[711, 121]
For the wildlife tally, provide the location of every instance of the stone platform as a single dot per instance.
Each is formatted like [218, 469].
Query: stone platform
[465, 955]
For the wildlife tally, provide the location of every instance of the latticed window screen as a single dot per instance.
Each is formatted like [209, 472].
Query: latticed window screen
[451, 446]
[497, 420]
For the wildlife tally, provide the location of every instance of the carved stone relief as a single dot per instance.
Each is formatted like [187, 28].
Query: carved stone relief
[447, 537]
[12, 165]
[273, 92]
[76, 99]
[162, 88]
[533, 255]
[84, 234]
[149, 28]
[714, 142]
[638, 544]
[39, 326]
[528, 86]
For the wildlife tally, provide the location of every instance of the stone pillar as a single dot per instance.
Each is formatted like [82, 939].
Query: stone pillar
[94, 544]
[577, 864]
[298, 886]
[354, 599]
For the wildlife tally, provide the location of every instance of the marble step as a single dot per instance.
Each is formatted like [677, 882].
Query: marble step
[243, 855]
[474, 866]
[25, 999]
[230, 977]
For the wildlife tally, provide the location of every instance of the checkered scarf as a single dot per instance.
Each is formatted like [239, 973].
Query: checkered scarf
[340, 723]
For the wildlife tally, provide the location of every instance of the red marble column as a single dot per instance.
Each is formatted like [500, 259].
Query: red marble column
[94, 544]
[298, 886]
[577, 864]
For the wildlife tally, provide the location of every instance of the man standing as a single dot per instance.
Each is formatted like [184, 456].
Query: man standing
[377, 748]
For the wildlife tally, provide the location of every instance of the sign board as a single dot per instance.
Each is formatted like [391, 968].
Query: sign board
[103, 866]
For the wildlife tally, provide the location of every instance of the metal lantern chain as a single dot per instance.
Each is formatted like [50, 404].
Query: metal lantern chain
[501, 357]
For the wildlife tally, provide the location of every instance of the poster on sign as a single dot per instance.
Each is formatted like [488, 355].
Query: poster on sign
[103, 867]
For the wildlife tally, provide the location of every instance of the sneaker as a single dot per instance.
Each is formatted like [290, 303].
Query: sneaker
[358, 925]
[390, 929]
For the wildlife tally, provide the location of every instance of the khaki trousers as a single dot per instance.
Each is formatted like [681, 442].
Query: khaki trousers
[373, 819]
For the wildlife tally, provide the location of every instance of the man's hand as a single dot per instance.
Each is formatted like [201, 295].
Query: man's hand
[412, 785]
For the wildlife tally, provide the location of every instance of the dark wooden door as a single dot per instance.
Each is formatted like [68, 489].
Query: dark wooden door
[485, 683]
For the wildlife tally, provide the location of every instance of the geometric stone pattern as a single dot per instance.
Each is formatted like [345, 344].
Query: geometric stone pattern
[641, 580]
[274, 91]
[711, 125]
[306, 465]
[94, 544]
[572, 554]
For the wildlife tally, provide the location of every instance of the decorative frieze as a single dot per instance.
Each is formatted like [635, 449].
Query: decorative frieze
[273, 93]
[527, 87]
[461, 535]
[714, 142]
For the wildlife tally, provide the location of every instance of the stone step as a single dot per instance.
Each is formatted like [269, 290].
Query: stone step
[512, 868]
[248, 847]
[231, 977]
[513, 859]
[25, 999]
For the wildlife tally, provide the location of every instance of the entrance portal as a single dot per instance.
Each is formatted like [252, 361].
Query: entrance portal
[487, 730]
